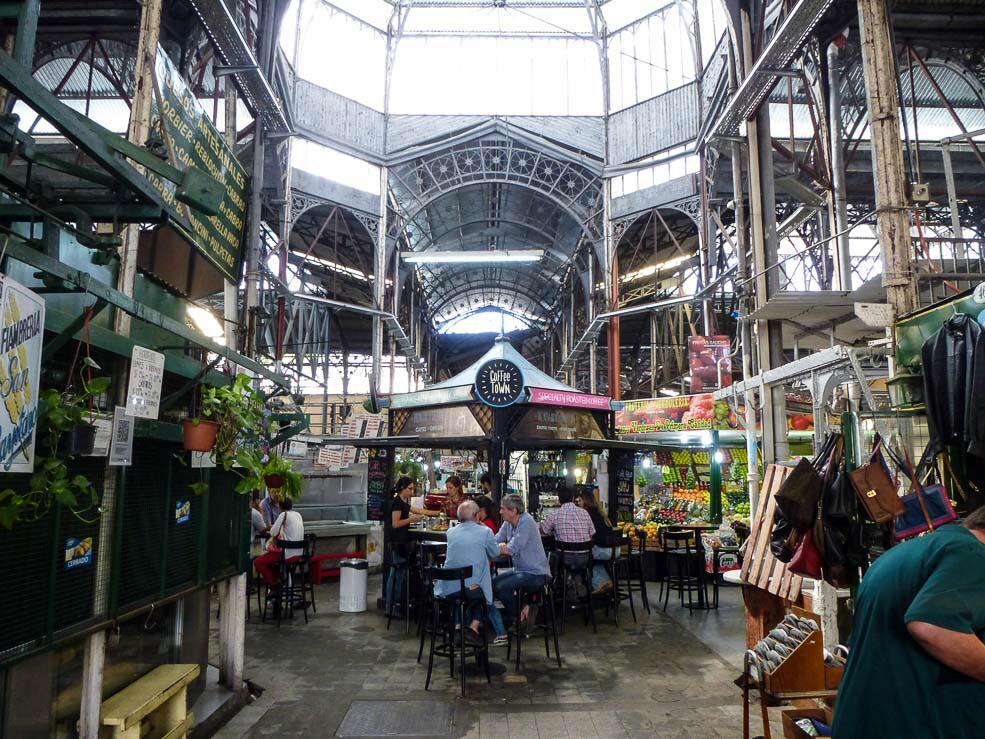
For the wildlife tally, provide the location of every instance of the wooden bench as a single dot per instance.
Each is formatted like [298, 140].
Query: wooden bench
[152, 707]
[321, 564]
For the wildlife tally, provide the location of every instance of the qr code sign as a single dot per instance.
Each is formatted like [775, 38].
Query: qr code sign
[123, 429]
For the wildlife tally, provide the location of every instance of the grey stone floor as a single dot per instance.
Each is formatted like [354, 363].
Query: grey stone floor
[654, 678]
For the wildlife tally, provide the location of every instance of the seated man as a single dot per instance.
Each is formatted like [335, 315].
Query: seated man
[569, 523]
[471, 543]
[520, 539]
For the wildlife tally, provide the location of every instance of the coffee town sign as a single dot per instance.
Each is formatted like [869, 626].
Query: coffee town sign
[499, 383]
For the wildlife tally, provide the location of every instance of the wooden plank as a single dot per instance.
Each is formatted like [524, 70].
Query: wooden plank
[181, 730]
[127, 707]
[754, 528]
[759, 546]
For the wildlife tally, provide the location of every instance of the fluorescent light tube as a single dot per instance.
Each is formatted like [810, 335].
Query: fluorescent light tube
[460, 257]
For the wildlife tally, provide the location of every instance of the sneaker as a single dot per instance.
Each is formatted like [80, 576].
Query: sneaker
[500, 641]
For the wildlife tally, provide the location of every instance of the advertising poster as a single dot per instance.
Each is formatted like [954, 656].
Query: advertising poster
[710, 363]
[182, 512]
[21, 335]
[683, 413]
[78, 552]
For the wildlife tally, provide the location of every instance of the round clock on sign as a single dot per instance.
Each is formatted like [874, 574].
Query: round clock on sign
[499, 383]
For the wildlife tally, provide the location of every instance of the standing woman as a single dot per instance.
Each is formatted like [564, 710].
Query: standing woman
[602, 542]
[398, 516]
[455, 497]
[487, 513]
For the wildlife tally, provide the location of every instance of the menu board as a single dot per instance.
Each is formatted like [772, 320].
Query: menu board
[379, 469]
[622, 465]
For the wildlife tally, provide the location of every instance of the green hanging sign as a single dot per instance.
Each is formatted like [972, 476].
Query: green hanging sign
[194, 142]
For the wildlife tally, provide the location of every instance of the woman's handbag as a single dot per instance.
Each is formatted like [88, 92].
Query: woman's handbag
[926, 508]
[876, 489]
[800, 490]
[806, 560]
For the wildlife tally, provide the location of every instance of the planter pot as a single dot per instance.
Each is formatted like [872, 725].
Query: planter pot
[200, 437]
[78, 440]
[274, 482]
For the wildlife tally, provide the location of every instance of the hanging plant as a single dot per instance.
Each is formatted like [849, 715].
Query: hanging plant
[64, 428]
[229, 414]
[275, 473]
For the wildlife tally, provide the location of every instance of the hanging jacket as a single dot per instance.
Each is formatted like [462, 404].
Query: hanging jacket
[954, 385]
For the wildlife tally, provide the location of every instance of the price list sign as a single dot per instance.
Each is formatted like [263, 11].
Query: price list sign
[622, 465]
[377, 479]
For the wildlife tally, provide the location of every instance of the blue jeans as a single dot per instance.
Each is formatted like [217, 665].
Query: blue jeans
[504, 585]
[599, 574]
[394, 587]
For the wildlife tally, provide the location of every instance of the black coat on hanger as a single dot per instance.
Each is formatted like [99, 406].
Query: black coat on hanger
[954, 385]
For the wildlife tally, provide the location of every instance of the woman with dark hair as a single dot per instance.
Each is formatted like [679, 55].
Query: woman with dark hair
[455, 496]
[602, 548]
[398, 515]
[487, 513]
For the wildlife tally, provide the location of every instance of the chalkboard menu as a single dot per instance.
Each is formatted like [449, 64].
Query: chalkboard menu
[380, 467]
[622, 466]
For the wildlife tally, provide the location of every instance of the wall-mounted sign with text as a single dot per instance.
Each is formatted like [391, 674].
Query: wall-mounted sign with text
[21, 338]
[543, 396]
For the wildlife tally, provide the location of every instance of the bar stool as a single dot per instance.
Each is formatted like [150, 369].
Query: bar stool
[289, 592]
[636, 579]
[619, 571]
[402, 598]
[454, 604]
[543, 598]
[683, 567]
[430, 554]
[575, 559]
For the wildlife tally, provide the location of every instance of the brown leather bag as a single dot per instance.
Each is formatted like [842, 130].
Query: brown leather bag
[876, 488]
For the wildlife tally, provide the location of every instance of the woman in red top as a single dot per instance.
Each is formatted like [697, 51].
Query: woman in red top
[455, 496]
[487, 513]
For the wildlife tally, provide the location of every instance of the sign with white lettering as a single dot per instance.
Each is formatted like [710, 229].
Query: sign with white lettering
[144, 388]
[499, 383]
[21, 338]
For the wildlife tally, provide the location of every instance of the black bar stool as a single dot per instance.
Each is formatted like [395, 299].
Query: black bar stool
[575, 559]
[636, 580]
[443, 612]
[430, 554]
[289, 592]
[544, 599]
[683, 567]
[401, 598]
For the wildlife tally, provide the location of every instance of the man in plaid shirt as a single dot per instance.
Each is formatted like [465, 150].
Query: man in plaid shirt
[569, 522]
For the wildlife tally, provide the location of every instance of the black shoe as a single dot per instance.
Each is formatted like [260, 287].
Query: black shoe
[473, 638]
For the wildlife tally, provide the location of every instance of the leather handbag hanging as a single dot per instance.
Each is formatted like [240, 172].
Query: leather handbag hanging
[876, 489]
[798, 494]
[926, 507]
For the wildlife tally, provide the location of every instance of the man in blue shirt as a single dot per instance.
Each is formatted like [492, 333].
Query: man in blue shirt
[519, 538]
[471, 543]
[270, 507]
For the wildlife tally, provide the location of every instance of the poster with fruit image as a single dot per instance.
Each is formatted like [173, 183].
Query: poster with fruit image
[684, 413]
[710, 362]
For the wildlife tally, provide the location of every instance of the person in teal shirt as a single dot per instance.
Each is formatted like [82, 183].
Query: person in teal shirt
[917, 662]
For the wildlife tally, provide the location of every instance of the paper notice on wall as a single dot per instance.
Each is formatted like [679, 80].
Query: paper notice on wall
[324, 454]
[335, 457]
[348, 456]
[104, 434]
[374, 425]
[121, 447]
[144, 388]
[297, 449]
[202, 460]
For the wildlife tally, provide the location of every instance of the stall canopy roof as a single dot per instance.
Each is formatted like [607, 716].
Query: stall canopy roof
[444, 392]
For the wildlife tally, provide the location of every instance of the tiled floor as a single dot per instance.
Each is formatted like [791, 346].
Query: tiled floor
[654, 678]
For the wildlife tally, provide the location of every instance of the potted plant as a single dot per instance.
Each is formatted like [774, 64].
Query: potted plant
[63, 431]
[273, 472]
[228, 413]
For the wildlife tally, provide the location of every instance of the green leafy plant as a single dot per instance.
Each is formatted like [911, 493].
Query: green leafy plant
[58, 413]
[258, 470]
[238, 409]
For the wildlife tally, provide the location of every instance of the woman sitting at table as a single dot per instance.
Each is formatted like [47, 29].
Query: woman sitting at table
[602, 541]
[487, 513]
[455, 496]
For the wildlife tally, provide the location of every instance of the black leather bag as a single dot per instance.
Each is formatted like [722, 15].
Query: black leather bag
[799, 493]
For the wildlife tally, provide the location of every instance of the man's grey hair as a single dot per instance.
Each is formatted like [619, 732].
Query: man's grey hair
[467, 510]
[975, 520]
[513, 502]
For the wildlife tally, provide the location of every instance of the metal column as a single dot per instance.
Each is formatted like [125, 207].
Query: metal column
[843, 264]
